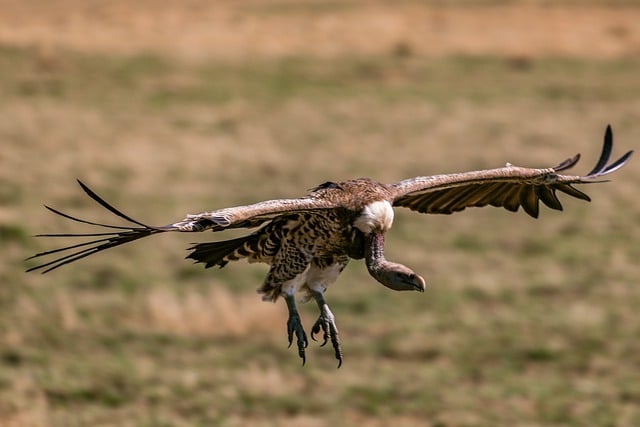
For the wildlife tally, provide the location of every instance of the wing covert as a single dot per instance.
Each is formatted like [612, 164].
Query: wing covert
[250, 215]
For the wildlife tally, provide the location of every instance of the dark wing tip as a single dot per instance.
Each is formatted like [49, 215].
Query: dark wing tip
[84, 249]
[103, 240]
[618, 163]
[603, 167]
[568, 163]
[109, 207]
[607, 148]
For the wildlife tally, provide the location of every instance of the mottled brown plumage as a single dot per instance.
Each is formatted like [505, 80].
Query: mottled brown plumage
[309, 240]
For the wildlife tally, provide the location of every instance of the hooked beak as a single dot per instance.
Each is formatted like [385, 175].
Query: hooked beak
[419, 284]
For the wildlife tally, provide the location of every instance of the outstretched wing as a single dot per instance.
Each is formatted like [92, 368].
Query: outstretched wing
[236, 217]
[509, 187]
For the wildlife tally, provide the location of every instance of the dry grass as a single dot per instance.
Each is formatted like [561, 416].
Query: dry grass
[197, 29]
[525, 322]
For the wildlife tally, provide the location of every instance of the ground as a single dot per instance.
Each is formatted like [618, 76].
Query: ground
[174, 108]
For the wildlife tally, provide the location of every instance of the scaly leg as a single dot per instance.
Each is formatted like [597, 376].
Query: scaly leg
[327, 323]
[294, 327]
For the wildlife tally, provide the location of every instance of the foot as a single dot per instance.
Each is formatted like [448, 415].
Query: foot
[294, 327]
[327, 324]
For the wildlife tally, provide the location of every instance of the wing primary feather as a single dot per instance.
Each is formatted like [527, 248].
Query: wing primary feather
[445, 199]
[501, 196]
[84, 221]
[512, 199]
[492, 196]
[568, 163]
[572, 191]
[548, 197]
[59, 262]
[606, 152]
[421, 203]
[66, 248]
[424, 201]
[109, 207]
[107, 239]
[62, 258]
[117, 240]
[108, 233]
[617, 164]
[462, 197]
[529, 200]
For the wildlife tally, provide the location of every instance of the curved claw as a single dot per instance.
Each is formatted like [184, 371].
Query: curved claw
[320, 325]
[294, 327]
[326, 322]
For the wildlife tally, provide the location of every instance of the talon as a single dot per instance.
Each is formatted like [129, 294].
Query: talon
[294, 327]
[337, 349]
[326, 322]
[289, 334]
[321, 324]
[335, 341]
[315, 330]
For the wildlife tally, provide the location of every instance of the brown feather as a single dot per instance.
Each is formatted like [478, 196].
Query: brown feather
[548, 197]
[529, 200]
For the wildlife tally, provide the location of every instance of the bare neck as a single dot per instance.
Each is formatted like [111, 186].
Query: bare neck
[374, 254]
[392, 275]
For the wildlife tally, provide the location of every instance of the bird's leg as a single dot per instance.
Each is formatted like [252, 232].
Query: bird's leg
[327, 323]
[294, 327]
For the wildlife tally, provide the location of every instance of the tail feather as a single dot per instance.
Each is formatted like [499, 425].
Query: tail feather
[220, 253]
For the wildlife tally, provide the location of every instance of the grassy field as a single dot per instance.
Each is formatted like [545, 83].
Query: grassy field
[524, 323]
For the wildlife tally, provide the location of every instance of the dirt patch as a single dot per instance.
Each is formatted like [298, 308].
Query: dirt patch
[197, 29]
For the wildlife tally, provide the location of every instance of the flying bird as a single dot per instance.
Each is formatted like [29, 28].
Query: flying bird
[308, 241]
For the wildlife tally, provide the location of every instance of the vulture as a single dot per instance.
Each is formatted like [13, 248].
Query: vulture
[308, 241]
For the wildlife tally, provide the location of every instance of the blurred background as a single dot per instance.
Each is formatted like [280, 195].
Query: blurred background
[169, 108]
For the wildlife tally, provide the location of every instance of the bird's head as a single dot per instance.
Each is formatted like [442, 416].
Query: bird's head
[391, 274]
[398, 277]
